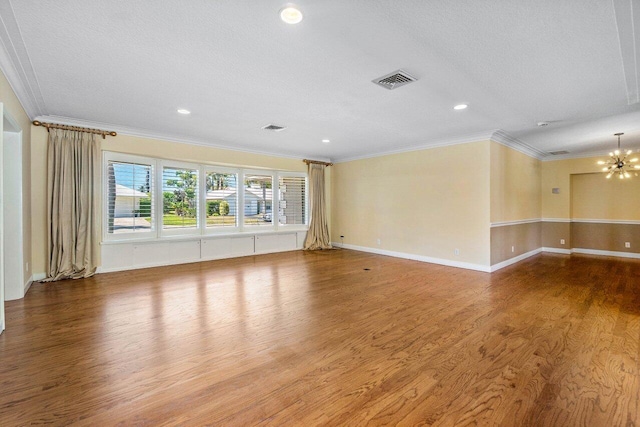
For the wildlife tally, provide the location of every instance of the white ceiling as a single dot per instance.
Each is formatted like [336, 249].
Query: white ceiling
[127, 66]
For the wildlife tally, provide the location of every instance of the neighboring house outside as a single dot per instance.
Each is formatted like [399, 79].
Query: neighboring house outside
[127, 201]
[254, 203]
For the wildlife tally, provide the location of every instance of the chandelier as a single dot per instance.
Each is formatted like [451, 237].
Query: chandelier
[619, 164]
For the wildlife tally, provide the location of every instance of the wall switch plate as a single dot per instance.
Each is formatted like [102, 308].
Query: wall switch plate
[456, 251]
[562, 241]
[627, 244]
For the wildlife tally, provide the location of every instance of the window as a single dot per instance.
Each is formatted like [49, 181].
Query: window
[179, 198]
[147, 198]
[293, 200]
[221, 199]
[258, 198]
[129, 198]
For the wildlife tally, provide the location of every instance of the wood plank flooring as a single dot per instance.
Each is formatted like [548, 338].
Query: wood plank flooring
[310, 339]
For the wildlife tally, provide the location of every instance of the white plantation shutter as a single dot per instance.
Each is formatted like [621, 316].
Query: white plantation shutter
[293, 200]
[221, 193]
[165, 198]
[258, 199]
[180, 198]
[129, 197]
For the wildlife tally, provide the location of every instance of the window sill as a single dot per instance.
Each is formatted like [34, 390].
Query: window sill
[188, 238]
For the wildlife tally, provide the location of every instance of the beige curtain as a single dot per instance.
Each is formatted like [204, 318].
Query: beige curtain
[73, 203]
[318, 234]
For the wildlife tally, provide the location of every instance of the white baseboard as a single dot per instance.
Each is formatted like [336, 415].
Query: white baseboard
[28, 285]
[38, 276]
[479, 267]
[414, 257]
[503, 264]
[605, 253]
[101, 270]
[592, 252]
[557, 250]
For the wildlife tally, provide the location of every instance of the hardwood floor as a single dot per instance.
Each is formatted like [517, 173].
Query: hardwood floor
[315, 339]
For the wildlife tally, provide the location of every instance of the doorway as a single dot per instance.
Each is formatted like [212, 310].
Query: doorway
[12, 284]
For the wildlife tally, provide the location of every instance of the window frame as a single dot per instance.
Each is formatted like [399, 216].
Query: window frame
[178, 231]
[304, 226]
[109, 156]
[220, 230]
[263, 172]
[158, 233]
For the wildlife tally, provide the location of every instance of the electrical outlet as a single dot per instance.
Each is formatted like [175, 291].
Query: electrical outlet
[513, 248]
[627, 244]
[562, 241]
[456, 251]
[26, 266]
[378, 242]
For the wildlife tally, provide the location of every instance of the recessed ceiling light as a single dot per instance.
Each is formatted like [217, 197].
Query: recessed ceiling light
[460, 107]
[183, 111]
[291, 14]
[326, 141]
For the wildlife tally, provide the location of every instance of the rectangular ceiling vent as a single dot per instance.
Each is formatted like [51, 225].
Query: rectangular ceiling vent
[557, 153]
[395, 80]
[274, 128]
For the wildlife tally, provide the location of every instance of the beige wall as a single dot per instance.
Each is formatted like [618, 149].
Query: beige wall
[144, 147]
[425, 203]
[515, 185]
[585, 193]
[557, 174]
[595, 197]
[515, 196]
[14, 108]
[553, 233]
[510, 241]
[606, 237]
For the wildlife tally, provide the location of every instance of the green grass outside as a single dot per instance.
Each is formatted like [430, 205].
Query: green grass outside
[226, 220]
[173, 220]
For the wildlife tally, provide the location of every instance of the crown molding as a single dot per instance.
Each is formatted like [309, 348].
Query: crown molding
[143, 133]
[465, 139]
[498, 135]
[502, 137]
[16, 64]
[602, 154]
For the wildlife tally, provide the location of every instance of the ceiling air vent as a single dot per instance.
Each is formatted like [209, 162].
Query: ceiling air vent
[395, 80]
[557, 153]
[274, 128]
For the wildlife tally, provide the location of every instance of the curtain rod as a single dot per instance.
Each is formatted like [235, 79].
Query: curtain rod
[104, 133]
[317, 162]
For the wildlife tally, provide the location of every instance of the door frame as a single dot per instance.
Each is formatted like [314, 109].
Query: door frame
[11, 134]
